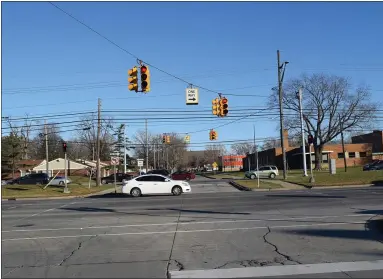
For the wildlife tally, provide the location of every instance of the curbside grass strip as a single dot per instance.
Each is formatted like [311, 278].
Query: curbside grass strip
[239, 186]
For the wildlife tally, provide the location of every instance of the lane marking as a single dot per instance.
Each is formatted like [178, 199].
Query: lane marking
[181, 231]
[191, 223]
[286, 270]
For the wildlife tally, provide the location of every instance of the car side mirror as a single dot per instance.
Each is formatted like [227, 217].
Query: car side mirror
[167, 180]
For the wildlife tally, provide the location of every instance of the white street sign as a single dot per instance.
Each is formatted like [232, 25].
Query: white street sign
[114, 161]
[140, 162]
[191, 96]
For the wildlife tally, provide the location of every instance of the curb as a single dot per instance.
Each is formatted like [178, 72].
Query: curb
[239, 186]
[103, 192]
[206, 176]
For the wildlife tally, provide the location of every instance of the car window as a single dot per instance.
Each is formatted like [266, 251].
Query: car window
[157, 178]
[144, 178]
[263, 168]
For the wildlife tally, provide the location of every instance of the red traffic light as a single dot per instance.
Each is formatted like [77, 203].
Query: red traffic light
[143, 69]
[224, 100]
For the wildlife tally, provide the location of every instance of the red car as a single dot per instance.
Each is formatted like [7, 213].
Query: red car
[182, 175]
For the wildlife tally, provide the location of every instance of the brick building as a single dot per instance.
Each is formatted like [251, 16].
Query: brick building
[376, 139]
[231, 162]
[356, 154]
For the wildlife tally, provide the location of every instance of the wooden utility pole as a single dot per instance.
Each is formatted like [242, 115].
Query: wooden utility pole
[98, 177]
[344, 152]
[46, 148]
[280, 79]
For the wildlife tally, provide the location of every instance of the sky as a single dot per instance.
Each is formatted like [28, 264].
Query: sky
[51, 64]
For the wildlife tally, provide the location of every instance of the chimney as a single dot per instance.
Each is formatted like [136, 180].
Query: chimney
[286, 138]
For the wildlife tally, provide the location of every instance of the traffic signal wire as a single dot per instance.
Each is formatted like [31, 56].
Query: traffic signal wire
[135, 56]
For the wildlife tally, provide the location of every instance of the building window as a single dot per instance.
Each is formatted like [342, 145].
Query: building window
[340, 155]
[362, 154]
[351, 154]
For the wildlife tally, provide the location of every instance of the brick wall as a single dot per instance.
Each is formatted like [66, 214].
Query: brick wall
[375, 138]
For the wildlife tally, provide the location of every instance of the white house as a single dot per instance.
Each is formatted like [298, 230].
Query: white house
[58, 165]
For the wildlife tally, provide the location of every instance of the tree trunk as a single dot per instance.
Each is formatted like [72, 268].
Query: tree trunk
[318, 156]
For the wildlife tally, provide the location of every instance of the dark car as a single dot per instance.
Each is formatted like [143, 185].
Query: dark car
[378, 166]
[183, 175]
[119, 178]
[33, 178]
[371, 166]
[163, 172]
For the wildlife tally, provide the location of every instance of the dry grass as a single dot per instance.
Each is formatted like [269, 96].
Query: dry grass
[353, 176]
[34, 191]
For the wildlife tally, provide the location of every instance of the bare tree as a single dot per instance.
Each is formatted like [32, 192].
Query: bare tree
[87, 134]
[329, 108]
[213, 151]
[271, 143]
[54, 143]
[24, 132]
[243, 148]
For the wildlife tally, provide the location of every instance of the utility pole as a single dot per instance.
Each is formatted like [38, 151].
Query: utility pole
[124, 151]
[98, 177]
[154, 156]
[66, 190]
[344, 152]
[280, 80]
[256, 153]
[46, 148]
[147, 147]
[302, 132]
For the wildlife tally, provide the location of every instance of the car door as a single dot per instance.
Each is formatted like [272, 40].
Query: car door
[144, 183]
[263, 172]
[176, 175]
[160, 185]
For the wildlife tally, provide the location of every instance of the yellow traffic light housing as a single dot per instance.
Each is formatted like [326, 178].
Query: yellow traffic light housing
[214, 135]
[133, 81]
[224, 107]
[167, 139]
[163, 139]
[145, 78]
[215, 107]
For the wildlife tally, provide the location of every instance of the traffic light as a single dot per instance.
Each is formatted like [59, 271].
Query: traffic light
[224, 107]
[167, 139]
[214, 135]
[64, 147]
[163, 139]
[133, 81]
[187, 139]
[215, 106]
[145, 78]
[210, 135]
[310, 139]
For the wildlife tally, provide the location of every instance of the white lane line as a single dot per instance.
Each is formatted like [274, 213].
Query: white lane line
[286, 270]
[191, 223]
[180, 231]
[41, 212]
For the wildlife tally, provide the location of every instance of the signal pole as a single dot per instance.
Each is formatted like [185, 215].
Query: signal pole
[344, 152]
[302, 133]
[46, 148]
[98, 177]
[147, 147]
[280, 80]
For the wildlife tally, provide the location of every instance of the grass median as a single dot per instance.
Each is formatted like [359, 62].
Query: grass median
[353, 176]
[228, 175]
[37, 191]
[253, 184]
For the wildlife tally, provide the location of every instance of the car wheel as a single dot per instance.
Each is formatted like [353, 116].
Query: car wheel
[103, 182]
[272, 175]
[61, 183]
[135, 192]
[253, 176]
[177, 190]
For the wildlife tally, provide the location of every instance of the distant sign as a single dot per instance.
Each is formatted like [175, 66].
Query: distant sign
[140, 162]
[215, 165]
[114, 161]
[187, 139]
[191, 96]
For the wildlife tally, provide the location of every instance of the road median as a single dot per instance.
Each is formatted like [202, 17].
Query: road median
[252, 185]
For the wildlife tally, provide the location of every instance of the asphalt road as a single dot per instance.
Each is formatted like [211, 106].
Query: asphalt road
[257, 233]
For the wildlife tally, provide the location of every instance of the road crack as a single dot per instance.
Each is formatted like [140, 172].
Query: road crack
[17, 267]
[276, 250]
[75, 250]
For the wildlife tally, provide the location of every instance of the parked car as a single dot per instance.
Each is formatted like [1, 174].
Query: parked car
[33, 178]
[60, 180]
[263, 172]
[162, 172]
[154, 184]
[371, 165]
[182, 175]
[119, 178]
[376, 166]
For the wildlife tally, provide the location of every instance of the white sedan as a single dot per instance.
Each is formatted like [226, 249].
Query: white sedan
[154, 184]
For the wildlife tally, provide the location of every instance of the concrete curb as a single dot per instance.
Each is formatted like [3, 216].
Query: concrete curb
[239, 186]
[336, 187]
[103, 192]
[206, 176]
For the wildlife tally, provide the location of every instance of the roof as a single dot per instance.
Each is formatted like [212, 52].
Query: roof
[30, 162]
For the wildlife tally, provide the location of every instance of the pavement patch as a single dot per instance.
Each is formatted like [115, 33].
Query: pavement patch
[256, 272]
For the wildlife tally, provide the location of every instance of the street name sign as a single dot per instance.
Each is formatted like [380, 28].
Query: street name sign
[192, 96]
